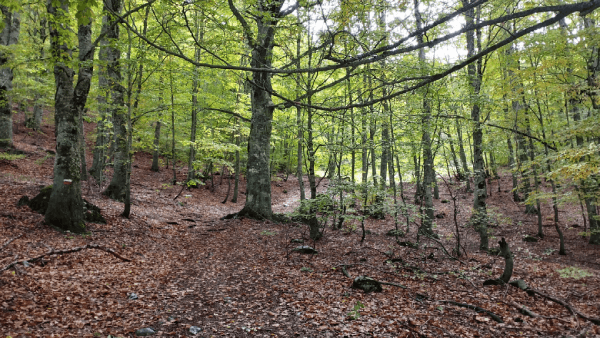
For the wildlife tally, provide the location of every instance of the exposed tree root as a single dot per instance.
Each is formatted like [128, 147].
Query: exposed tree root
[476, 308]
[60, 252]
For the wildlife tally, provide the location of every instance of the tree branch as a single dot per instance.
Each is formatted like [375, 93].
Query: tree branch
[60, 252]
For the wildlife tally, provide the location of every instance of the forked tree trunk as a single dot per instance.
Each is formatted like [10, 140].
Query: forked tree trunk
[65, 205]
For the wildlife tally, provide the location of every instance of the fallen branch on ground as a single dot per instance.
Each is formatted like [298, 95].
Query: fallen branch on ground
[524, 310]
[9, 241]
[476, 308]
[566, 305]
[60, 252]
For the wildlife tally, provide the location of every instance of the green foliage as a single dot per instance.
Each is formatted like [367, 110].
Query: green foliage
[305, 269]
[573, 272]
[355, 312]
[268, 233]
[11, 157]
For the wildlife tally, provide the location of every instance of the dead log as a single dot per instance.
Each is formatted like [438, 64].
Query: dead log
[61, 252]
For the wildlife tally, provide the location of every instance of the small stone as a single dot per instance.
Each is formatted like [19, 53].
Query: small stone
[305, 249]
[147, 331]
[297, 240]
[133, 296]
[285, 205]
[195, 330]
[26, 264]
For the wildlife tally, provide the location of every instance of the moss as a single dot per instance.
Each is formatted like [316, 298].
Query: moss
[11, 157]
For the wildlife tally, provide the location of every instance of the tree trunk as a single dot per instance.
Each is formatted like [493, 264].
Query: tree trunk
[65, 205]
[511, 165]
[258, 190]
[156, 143]
[103, 139]
[8, 36]
[474, 70]
[117, 187]
[463, 154]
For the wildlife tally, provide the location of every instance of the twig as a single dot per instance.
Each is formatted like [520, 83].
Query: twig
[180, 191]
[476, 308]
[9, 241]
[60, 252]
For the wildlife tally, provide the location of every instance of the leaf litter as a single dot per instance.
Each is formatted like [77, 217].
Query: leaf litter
[240, 278]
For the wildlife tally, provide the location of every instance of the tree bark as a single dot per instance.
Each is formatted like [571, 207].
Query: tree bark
[426, 227]
[103, 139]
[258, 190]
[65, 205]
[117, 187]
[9, 36]
[474, 70]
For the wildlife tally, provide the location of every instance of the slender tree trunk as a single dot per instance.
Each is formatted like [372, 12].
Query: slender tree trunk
[118, 184]
[174, 181]
[237, 165]
[511, 165]
[102, 133]
[8, 36]
[463, 155]
[474, 70]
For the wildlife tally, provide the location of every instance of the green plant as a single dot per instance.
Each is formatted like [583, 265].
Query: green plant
[573, 272]
[268, 233]
[305, 269]
[355, 312]
[11, 157]
[549, 251]
[585, 233]
[41, 161]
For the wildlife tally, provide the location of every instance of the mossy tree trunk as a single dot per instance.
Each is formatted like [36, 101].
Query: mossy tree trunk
[65, 205]
[258, 195]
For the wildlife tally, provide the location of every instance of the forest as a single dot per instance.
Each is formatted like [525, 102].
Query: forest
[309, 168]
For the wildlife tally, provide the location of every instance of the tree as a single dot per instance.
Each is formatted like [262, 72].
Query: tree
[65, 205]
[8, 36]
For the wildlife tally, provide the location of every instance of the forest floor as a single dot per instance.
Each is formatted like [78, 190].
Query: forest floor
[240, 277]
